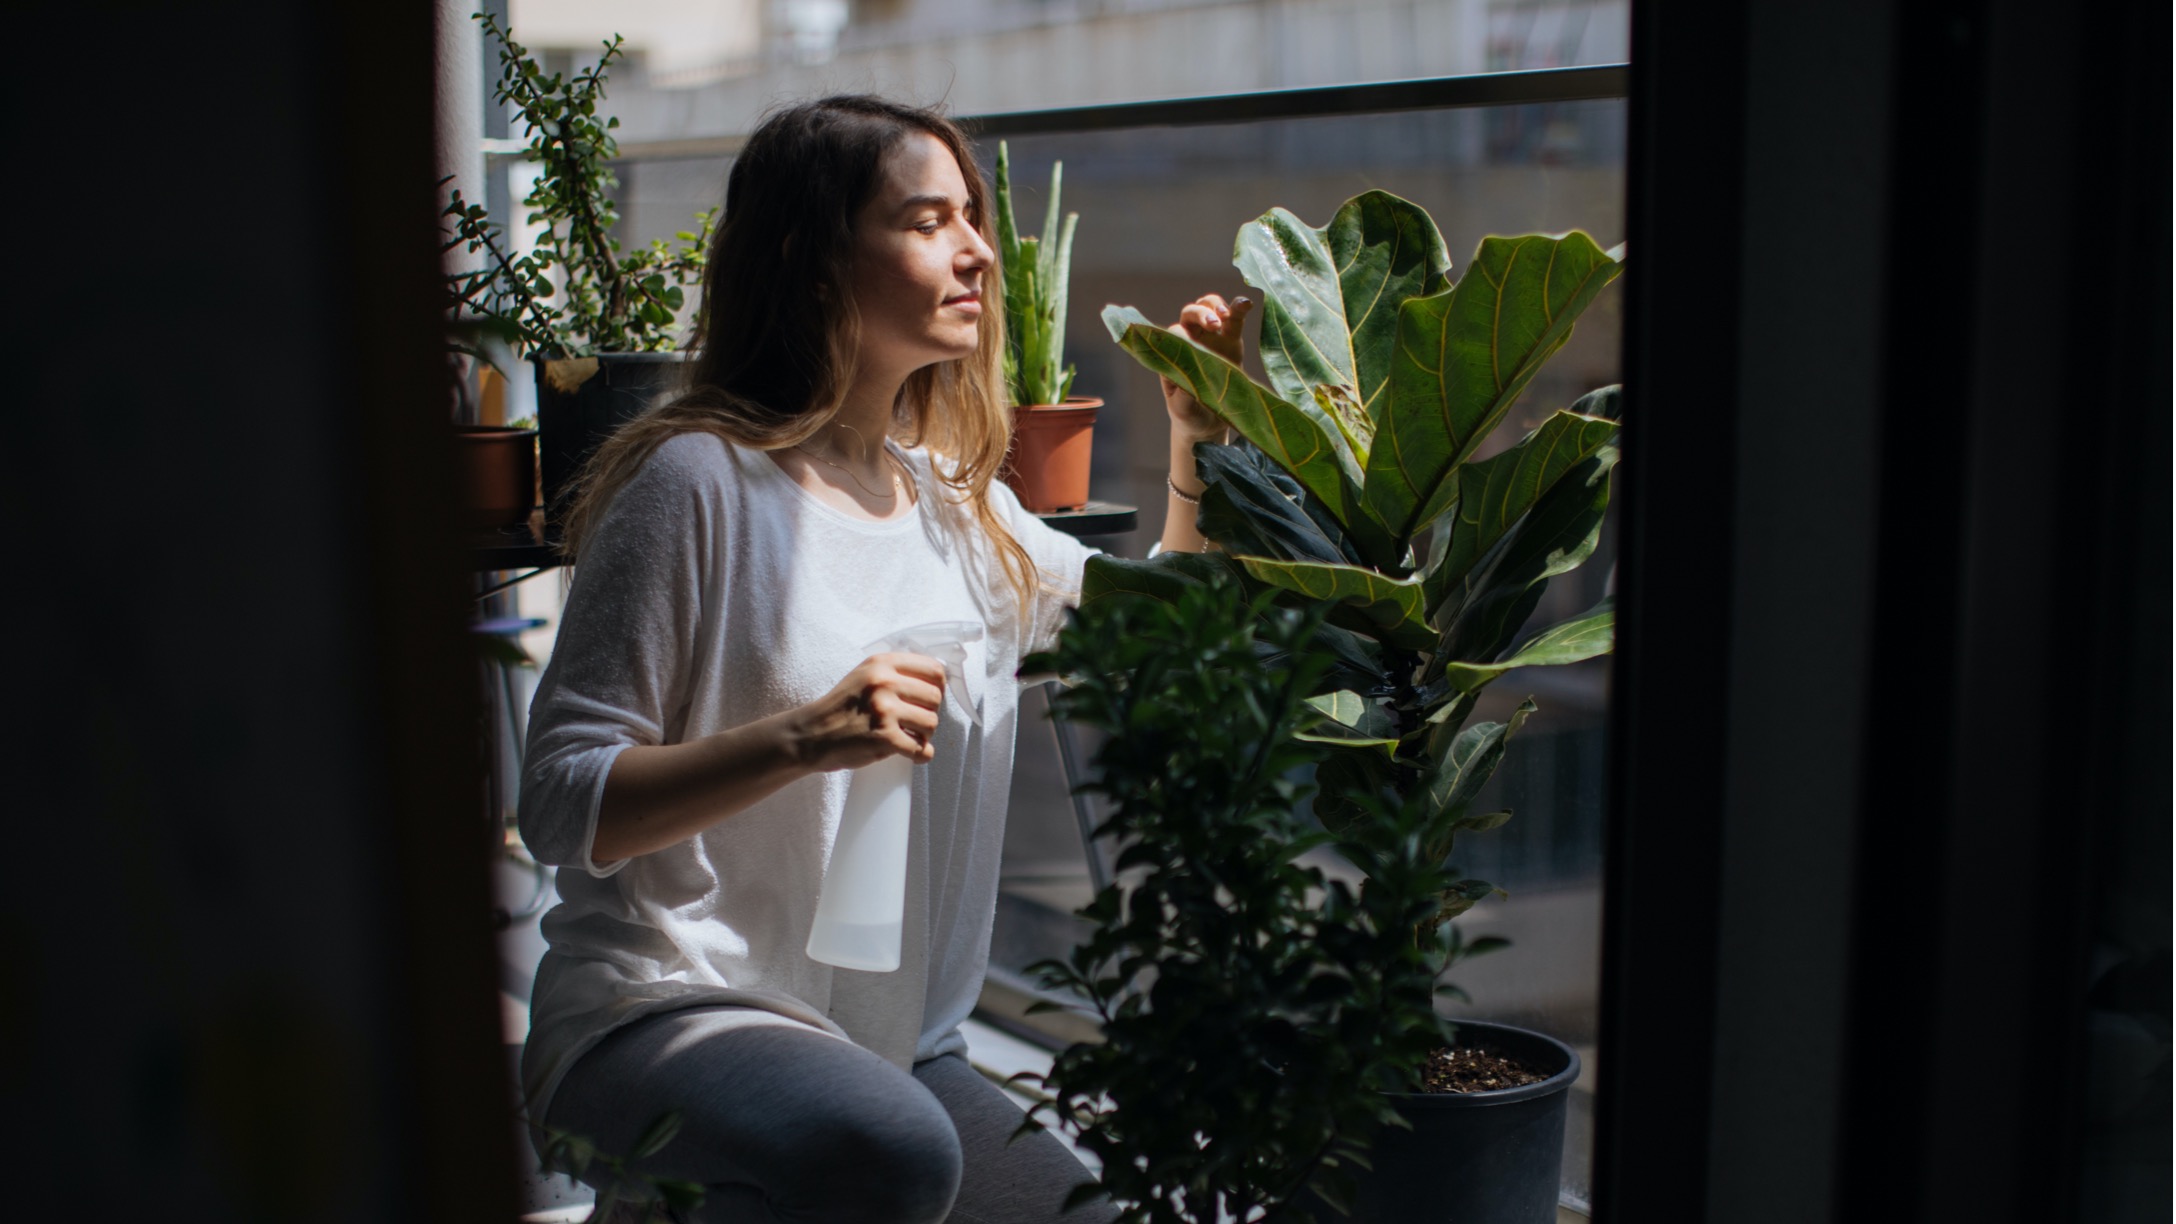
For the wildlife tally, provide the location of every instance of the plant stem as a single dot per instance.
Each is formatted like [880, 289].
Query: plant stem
[541, 325]
[1308, 1169]
[1399, 666]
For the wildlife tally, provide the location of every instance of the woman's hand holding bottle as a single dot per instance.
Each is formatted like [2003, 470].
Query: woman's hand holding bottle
[660, 794]
[887, 706]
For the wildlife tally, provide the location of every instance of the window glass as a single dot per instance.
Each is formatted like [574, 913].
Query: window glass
[1159, 208]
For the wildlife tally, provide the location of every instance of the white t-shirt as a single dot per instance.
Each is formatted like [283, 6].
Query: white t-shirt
[715, 591]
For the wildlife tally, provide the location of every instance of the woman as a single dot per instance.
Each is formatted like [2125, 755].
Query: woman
[827, 480]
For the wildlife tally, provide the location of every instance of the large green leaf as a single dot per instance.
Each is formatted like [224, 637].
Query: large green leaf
[1358, 661]
[1582, 637]
[1298, 436]
[1364, 715]
[1330, 300]
[1304, 339]
[1601, 402]
[1391, 607]
[1493, 493]
[1339, 737]
[1387, 250]
[1462, 766]
[1464, 355]
[1254, 507]
[1298, 495]
[1357, 658]
[1343, 706]
[1485, 609]
[1344, 782]
[1162, 577]
[1459, 898]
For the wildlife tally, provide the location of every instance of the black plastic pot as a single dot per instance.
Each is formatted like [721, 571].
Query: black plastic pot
[580, 401]
[1473, 1157]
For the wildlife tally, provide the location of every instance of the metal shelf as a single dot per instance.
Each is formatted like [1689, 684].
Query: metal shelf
[1094, 519]
[512, 548]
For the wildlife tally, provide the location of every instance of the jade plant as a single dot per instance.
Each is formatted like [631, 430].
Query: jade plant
[1360, 489]
[1254, 1012]
[1035, 273]
[606, 300]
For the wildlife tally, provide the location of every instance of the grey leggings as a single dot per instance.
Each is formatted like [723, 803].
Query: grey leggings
[782, 1124]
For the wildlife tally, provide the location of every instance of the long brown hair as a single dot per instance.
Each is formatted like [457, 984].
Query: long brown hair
[770, 369]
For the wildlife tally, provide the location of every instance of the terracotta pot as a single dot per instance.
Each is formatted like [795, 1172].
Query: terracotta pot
[497, 469]
[1051, 445]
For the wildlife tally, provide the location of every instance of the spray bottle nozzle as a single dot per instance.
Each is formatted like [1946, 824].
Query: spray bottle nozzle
[946, 642]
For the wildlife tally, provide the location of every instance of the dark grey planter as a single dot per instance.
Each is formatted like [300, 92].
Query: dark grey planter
[1477, 1157]
[574, 415]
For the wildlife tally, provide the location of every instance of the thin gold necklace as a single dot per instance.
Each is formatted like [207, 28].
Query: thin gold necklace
[891, 494]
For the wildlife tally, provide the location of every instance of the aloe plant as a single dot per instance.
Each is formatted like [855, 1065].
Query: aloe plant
[1358, 487]
[1036, 270]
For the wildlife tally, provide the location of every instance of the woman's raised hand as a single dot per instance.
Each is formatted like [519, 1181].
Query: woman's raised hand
[1220, 327]
[887, 706]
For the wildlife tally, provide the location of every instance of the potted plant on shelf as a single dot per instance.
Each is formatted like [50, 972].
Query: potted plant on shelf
[597, 321]
[1358, 493]
[1053, 430]
[495, 460]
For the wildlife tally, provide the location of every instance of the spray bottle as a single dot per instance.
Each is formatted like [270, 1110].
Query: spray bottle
[863, 903]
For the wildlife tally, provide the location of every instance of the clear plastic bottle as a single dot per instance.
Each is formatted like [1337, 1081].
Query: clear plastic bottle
[863, 903]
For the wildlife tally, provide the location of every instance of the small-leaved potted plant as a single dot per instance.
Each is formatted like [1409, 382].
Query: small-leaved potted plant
[1053, 429]
[495, 462]
[1358, 493]
[1259, 1015]
[598, 322]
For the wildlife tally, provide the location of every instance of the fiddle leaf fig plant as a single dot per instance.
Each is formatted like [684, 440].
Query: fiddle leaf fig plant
[1036, 272]
[1359, 490]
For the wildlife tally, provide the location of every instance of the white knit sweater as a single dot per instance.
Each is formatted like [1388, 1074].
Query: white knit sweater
[713, 592]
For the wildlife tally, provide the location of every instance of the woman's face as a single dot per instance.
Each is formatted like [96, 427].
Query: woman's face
[918, 263]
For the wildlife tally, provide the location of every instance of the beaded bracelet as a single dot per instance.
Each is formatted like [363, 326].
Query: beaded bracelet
[1175, 492]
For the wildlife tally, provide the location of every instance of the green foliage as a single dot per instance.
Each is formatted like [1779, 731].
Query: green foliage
[1357, 493]
[607, 300]
[1300, 436]
[574, 1155]
[1254, 1012]
[1036, 272]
